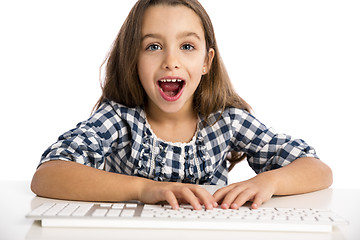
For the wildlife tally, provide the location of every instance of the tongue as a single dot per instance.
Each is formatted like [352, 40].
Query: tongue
[170, 88]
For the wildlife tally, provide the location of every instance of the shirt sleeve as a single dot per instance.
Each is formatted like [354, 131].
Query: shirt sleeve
[90, 142]
[265, 148]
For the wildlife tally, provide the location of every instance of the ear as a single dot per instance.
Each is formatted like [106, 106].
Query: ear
[208, 61]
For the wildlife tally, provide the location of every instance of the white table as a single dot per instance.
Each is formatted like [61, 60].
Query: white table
[17, 200]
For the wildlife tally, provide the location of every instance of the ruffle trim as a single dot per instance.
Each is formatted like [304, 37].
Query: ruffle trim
[198, 166]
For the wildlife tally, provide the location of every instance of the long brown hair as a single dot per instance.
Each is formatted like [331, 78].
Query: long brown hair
[122, 84]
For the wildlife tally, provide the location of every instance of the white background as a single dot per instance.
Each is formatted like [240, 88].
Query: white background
[296, 62]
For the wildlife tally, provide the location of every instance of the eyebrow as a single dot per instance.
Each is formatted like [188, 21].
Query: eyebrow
[181, 35]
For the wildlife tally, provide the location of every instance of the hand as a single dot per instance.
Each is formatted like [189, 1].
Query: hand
[175, 193]
[258, 189]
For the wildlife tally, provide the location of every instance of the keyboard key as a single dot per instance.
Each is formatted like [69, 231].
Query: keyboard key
[294, 218]
[337, 219]
[118, 205]
[82, 210]
[113, 213]
[323, 219]
[152, 207]
[127, 213]
[100, 212]
[41, 209]
[191, 216]
[146, 213]
[176, 216]
[280, 218]
[206, 216]
[68, 210]
[105, 205]
[161, 215]
[308, 219]
[131, 205]
[53, 211]
[251, 217]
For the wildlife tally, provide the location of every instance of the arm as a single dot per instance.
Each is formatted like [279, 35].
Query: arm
[303, 175]
[74, 181]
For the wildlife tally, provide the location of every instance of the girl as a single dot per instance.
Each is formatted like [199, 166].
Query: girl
[169, 120]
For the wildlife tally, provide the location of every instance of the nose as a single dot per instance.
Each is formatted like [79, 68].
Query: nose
[171, 61]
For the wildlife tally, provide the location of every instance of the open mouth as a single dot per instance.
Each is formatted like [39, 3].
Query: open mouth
[171, 89]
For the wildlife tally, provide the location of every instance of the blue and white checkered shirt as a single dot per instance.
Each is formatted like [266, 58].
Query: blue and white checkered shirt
[119, 139]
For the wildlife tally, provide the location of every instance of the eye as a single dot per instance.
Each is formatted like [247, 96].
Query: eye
[187, 47]
[153, 47]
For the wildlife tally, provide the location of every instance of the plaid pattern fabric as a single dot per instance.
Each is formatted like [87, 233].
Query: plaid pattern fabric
[119, 139]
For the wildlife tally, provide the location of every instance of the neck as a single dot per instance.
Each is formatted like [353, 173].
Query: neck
[173, 127]
[155, 114]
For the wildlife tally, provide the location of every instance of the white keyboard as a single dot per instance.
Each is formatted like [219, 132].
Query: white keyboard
[139, 215]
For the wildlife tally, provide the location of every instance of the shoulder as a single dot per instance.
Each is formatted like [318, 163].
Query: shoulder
[110, 110]
[112, 120]
[237, 113]
[231, 121]
[223, 122]
[229, 115]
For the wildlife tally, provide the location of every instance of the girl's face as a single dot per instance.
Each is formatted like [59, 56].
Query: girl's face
[173, 57]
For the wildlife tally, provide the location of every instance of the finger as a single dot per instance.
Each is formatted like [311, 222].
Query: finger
[231, 196]
[204, 197]
[258, 201]
[171, 199]
[190, 197]
[220, 194]
[245, 196]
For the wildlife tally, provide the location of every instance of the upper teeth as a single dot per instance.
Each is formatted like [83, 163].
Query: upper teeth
[170, 80]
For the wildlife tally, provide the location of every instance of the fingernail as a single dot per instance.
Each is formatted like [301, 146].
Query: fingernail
[224, 206]
[234, 206]
[254, 206]
[215, 204]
